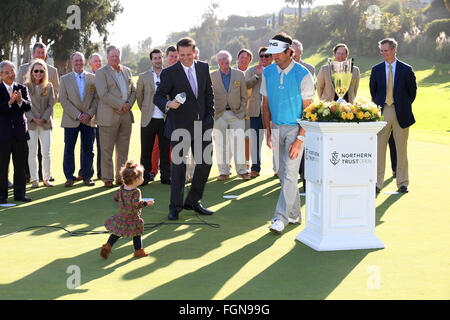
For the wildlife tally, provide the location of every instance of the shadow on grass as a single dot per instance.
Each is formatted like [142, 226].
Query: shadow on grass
[214, 256]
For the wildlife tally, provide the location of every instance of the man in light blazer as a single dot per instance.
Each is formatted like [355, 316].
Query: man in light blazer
[117, 94]
[152, 120]
[230, 102]
[253, 80]
[325, 89]
[79, 102]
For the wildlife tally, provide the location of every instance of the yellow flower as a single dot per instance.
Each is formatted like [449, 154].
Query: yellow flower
[308, 115]
[360, 115]
[314, 117]
[367, 114]
[344, 115]
[350, 115]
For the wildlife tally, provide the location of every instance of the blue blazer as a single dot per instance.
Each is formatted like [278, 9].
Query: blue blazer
[405, 89]
[174, 81]
[13, 123]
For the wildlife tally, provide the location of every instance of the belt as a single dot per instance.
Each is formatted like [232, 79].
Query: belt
[227, 108]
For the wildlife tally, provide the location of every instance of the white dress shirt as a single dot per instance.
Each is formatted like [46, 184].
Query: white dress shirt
[157, 113]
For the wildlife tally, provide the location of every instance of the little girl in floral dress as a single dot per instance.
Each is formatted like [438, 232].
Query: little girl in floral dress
[128, 223]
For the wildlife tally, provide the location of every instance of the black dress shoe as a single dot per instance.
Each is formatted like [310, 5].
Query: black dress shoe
[173, 215]
[23, 199]
[165, 181]
[377, 190]
[3, 201]
[403, 189]
[198, 208]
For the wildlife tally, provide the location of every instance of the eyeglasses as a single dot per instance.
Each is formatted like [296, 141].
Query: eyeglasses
[268, 55]
[38, 71]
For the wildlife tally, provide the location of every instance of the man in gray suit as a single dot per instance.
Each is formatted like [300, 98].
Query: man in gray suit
[253, 80]
[298, 50]
[117, 94]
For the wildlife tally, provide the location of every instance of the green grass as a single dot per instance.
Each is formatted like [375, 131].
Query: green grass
[241, 259]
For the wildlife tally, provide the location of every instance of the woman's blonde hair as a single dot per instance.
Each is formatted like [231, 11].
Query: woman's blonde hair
[29, 76]
[130, 172]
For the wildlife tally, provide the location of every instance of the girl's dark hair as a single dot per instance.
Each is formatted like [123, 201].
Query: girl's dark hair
[131, 171]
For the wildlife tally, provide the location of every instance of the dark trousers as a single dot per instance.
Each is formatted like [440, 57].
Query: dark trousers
[203, 162]
[99, 158]
[148, 134]
[18, 150]
[256, 125]
[87, 145]
[137, 241]
[393, 152]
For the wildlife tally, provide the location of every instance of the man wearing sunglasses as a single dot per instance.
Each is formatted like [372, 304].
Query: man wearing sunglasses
[152, 120]
[253, 80]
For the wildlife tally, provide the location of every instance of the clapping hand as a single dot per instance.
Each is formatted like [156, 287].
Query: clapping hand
[15, 97]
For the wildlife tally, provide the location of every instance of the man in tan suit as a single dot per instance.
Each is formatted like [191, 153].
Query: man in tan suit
[79, 102]
[230, 101]
[253, 81]
[40, 52]
[152, 120]
[117, 94]
[325, 88]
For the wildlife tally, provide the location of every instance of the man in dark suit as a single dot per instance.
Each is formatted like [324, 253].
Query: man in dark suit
[192, 78]
[14, 102]
[393, 87]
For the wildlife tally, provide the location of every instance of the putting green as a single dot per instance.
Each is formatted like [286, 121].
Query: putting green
[239, 260]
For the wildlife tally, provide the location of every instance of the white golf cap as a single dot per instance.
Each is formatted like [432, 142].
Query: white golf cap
[277, 46]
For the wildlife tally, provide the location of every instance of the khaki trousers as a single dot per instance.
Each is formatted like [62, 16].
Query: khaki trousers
[118, 137]
[401, 141]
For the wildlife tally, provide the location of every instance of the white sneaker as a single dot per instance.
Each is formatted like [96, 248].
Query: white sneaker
[294, 221]
[277, 227]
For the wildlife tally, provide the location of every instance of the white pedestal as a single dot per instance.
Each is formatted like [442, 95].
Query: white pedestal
[340, 172]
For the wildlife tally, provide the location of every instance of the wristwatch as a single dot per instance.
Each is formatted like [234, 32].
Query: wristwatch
[301, 138]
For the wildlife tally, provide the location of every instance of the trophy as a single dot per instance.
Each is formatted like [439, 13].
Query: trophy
[341, 76]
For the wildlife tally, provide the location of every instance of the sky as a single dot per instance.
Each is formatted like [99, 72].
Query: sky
[157, 19]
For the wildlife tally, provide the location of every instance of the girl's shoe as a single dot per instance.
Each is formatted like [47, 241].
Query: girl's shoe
[35, 184]
[140, 253]
[106, 250]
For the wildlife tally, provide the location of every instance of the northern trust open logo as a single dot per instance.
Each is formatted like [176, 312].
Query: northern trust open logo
[351, 158]
[334, 158]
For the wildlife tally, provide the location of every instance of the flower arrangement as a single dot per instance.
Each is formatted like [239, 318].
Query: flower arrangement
[361, 110]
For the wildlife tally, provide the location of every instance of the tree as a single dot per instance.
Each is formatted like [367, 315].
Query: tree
[300, 5]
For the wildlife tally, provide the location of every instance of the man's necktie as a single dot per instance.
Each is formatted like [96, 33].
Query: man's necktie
[192, 81]
[390, 88]
[10, 92]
